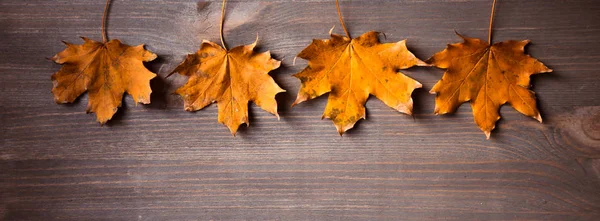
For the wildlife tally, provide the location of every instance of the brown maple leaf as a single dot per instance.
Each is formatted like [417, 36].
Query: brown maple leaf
[105, 71]
[353, 69]
[488, 76]
[231, 79]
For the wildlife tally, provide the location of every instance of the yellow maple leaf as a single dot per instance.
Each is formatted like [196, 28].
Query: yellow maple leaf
[231, 79]
[488, 76]
[351, 70]
[106, 71]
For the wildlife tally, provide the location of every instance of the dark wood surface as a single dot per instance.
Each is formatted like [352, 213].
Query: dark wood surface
[159, 162]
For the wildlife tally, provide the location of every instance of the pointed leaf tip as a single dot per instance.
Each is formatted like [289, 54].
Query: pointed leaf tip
[538, 118]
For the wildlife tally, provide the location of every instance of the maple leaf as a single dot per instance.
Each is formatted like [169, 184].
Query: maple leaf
[488, 76]
[231, 79]
[106, 71]
[353, 69]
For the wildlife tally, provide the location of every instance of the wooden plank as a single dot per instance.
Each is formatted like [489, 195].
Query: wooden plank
[158, 162]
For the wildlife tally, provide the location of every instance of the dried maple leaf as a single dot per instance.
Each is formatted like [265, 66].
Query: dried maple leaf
[488, 76]
[230, 78]
[105, 71]
[351, 70]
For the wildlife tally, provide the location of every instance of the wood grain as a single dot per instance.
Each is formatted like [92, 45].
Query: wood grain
[158, 162]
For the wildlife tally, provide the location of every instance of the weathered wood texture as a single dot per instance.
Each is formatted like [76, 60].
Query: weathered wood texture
[158, 162]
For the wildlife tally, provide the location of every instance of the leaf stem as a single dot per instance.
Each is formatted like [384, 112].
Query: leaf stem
[337, 4]
[221, 26]
[104, 36]
[491, 22]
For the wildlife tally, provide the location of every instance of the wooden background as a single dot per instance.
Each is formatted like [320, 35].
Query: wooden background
[158, 162]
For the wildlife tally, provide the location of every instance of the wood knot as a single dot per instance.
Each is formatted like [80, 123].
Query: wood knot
[591, 126]
[582, 127]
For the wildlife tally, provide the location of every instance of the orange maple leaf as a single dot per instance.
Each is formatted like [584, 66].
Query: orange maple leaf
[488, 76]
[231, 79]
[353, 69]
[106, 71]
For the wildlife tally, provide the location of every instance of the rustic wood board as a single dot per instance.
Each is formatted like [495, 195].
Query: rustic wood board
[158, 162]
